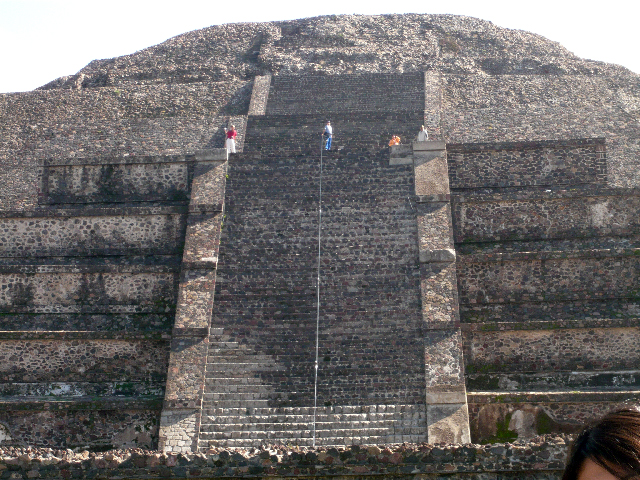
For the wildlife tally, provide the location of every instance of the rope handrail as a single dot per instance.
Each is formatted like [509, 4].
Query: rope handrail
[315, 383]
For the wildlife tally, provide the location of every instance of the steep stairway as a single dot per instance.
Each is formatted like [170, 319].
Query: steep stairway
[260, 367]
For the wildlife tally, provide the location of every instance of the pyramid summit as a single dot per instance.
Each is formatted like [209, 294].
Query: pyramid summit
[160, 292]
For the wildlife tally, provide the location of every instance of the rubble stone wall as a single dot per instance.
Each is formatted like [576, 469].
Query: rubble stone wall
[61, 234]
[568, 162]
[116, 183]
[540, 215]
[542, 459]
[99, 426]
[582, 277]
[89, 289]
[590, 349]
[97, 360]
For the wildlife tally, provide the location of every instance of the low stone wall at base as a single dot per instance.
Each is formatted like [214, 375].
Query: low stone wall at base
[540, 459]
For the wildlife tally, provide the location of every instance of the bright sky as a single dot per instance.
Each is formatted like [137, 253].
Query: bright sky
[41, 40]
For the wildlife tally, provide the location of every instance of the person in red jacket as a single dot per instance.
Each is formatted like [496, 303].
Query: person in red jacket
[231, 139]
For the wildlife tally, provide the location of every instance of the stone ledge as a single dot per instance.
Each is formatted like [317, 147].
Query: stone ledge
[88, 309]
[479, 147]
[212, 155]
[400, 155]
[617, 381]
[547, 255]
[400, 150]
[206, 263]
[204, 208]
[190, 332]
[429, 146]
[401, 161]
[492, 326]
[124, 210]
[498, 194]
[182, 404]
[151, 335]
[435, 398]
[438, 198]
[125, 261]
[80, 269]
[550, 397]
[152, 402]
[447, 255]
[69, 390]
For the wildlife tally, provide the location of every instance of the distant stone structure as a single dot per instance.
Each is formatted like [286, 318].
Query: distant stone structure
[481, 287]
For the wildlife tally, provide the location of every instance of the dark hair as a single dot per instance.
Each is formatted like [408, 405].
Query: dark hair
[613, 442]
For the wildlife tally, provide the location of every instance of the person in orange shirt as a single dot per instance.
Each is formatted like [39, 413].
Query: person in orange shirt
[395, 140]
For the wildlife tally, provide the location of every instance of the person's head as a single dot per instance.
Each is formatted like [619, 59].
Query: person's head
[328, 122]
[608, 449]
[233, 127]
[421, 127]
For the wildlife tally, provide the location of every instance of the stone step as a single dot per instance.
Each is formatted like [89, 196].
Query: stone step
[284, 430]
[298, 440]
[292, 424]
[322, 418]
[238, 393]
[259, 403]
[600, 312]
[291, 304]
[241, 368]
[397, 408]
[239, 359]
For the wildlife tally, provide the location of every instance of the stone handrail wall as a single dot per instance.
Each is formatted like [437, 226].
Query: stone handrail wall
[541, 459]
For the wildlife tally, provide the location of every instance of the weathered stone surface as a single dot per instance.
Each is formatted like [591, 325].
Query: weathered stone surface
[447, 423]
[540, 227]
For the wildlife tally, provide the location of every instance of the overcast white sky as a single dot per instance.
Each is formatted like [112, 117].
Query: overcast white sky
[41, 40]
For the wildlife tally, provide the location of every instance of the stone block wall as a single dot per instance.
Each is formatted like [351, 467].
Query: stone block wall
[524, 108]
[557, 214]
[599, 275]
[90, 180]
[564, 162]
[90, 292]
[548, 285]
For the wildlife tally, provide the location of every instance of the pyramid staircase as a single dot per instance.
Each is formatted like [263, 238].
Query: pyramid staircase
[260, 367]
